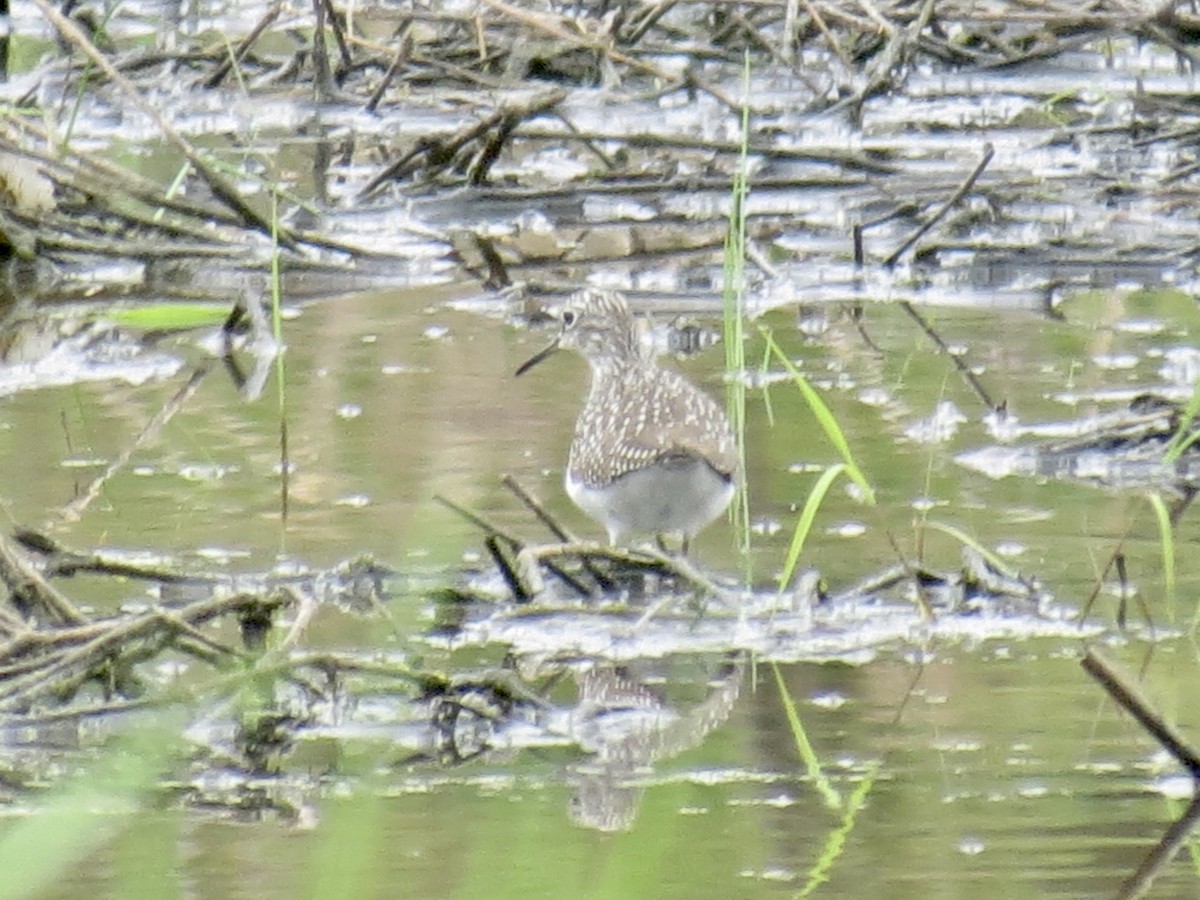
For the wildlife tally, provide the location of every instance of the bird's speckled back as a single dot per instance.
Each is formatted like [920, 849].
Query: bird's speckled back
[637, 413]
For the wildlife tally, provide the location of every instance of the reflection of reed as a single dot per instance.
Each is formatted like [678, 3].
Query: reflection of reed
[1123, 690]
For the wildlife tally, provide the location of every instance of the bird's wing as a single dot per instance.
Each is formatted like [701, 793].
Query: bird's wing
[679, 420]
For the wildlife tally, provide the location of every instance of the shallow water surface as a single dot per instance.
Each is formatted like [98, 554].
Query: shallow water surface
[1002, 772]
[990, 757]
[442, 740]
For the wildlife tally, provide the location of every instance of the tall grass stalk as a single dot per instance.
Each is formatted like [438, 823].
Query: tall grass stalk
[763, 369]
[734, 307]
[280, 365]
[1166, 540]
[85, 79]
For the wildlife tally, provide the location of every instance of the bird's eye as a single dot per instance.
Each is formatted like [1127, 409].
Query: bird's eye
[568, 318]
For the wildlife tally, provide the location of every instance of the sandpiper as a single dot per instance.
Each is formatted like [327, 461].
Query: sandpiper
[652, 454]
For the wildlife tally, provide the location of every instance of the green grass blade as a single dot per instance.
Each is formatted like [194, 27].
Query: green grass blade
[804, 524]
[824, 417]
[965, 539]
[85, 811]
[1184, 436]
[763, 369]
[170, 316]
[1166, 538]
[734, 317]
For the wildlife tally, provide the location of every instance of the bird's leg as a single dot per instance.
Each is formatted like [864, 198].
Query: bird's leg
[660, 540]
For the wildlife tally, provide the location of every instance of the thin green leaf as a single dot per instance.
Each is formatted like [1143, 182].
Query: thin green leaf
[963, 538]
[1184, 435]
[804, 524]
[824, 417]
[170, 316]
[1166, 537]
[763, 369]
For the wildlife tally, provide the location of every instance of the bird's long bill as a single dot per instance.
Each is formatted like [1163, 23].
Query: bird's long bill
[537, 358]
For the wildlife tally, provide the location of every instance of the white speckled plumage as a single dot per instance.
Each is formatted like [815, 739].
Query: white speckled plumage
[652, 454]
